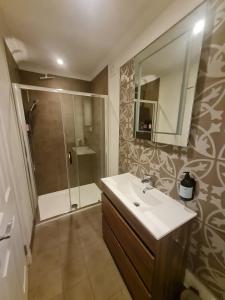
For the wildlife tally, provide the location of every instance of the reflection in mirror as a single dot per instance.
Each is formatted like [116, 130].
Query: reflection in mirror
[169, 74]
[165, 75]
[147, 117]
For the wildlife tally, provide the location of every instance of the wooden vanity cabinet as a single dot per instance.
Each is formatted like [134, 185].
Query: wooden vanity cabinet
[152, 269]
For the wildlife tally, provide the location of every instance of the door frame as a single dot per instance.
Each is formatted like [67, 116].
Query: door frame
[28, 163]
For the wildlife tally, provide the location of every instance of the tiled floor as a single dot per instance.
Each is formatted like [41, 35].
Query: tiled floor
[72, 262]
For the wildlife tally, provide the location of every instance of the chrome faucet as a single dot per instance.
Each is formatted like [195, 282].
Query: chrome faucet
[147, 188]
[147, 179]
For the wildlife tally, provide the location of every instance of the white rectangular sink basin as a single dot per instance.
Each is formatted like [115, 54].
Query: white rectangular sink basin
[83, 150]
[159, 213]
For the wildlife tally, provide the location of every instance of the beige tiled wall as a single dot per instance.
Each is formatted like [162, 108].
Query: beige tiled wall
[58, 82]
[47, 143]
[204, 157]
[96, 138]
[99, 85]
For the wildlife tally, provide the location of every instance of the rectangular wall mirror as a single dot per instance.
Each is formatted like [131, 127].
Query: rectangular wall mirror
[165, 80]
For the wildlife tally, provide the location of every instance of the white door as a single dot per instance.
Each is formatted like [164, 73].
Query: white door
[13, 196]
[13, 267]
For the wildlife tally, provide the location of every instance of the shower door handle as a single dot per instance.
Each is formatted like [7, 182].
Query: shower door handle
[70, 157]
[8, 230]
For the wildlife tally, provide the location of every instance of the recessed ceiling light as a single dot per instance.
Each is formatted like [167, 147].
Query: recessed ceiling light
[199, 26]
[59, 61]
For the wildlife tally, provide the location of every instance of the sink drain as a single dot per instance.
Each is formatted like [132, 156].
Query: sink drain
[136, 203]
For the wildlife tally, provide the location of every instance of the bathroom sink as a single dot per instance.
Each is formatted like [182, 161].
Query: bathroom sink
[159, 213]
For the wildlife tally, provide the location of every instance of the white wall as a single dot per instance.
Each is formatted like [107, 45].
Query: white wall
[17, 168]
[170, 16]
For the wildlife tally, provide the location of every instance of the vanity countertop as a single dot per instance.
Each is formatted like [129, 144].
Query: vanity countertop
[159, 213]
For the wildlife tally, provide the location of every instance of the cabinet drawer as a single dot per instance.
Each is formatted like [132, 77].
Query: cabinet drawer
[140, 257]
[133, 281]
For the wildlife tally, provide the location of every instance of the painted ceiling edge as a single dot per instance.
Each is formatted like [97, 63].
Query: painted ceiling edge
[113, 53]
[116, 52]
[44, 71]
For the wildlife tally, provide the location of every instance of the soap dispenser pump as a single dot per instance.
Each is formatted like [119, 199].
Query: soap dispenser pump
[187, 187]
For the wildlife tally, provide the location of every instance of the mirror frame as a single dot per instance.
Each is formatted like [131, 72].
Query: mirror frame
[180, 137]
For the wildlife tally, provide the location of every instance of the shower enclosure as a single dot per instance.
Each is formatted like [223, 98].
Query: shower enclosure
[64, 140]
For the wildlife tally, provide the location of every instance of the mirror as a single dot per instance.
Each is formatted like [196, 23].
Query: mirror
[165, 79]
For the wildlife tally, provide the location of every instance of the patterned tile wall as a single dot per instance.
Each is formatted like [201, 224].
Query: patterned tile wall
[204, 157]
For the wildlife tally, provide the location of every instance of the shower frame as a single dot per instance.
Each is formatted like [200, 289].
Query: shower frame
[28, 162]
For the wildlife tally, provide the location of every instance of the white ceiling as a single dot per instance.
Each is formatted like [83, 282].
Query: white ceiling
[84, 33]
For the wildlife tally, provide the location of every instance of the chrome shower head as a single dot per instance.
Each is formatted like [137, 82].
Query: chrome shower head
[34, 104]
[46, 76]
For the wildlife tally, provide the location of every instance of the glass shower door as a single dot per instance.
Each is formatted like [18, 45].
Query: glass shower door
[67, 104]
[90, 146]
[44, 130]
[85, 146]
[66, 136]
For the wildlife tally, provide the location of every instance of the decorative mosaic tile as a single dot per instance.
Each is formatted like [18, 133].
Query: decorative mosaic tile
[204, 157]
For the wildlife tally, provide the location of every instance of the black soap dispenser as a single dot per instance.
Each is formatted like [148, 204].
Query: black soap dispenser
[187, 187]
